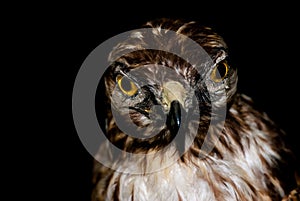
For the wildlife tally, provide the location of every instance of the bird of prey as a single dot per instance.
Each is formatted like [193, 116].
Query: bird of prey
[183, 131]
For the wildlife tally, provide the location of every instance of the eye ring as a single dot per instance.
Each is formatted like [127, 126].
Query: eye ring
[220, 71]
[127, 86]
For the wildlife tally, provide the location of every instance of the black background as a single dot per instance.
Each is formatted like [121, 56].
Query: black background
[263, 43]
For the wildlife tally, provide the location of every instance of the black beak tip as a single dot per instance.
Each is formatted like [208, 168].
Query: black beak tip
[174, 116]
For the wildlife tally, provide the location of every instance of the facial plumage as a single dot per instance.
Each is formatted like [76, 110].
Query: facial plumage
[213, 82]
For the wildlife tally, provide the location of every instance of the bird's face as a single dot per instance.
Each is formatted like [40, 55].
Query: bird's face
[152, 94]
[150, 103]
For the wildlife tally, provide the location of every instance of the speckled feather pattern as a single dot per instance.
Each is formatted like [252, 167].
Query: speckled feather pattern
[248, 162]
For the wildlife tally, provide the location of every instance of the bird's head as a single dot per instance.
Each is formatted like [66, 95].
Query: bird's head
[151, 94]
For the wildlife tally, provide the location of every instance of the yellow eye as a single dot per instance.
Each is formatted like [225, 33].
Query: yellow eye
[127, 86]
[219, 72]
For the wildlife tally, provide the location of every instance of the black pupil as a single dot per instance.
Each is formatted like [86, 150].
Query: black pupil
[221, 71]
[126, 84]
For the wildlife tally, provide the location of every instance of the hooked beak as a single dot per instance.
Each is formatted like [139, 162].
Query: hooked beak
[173, 98]
[174, 117]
